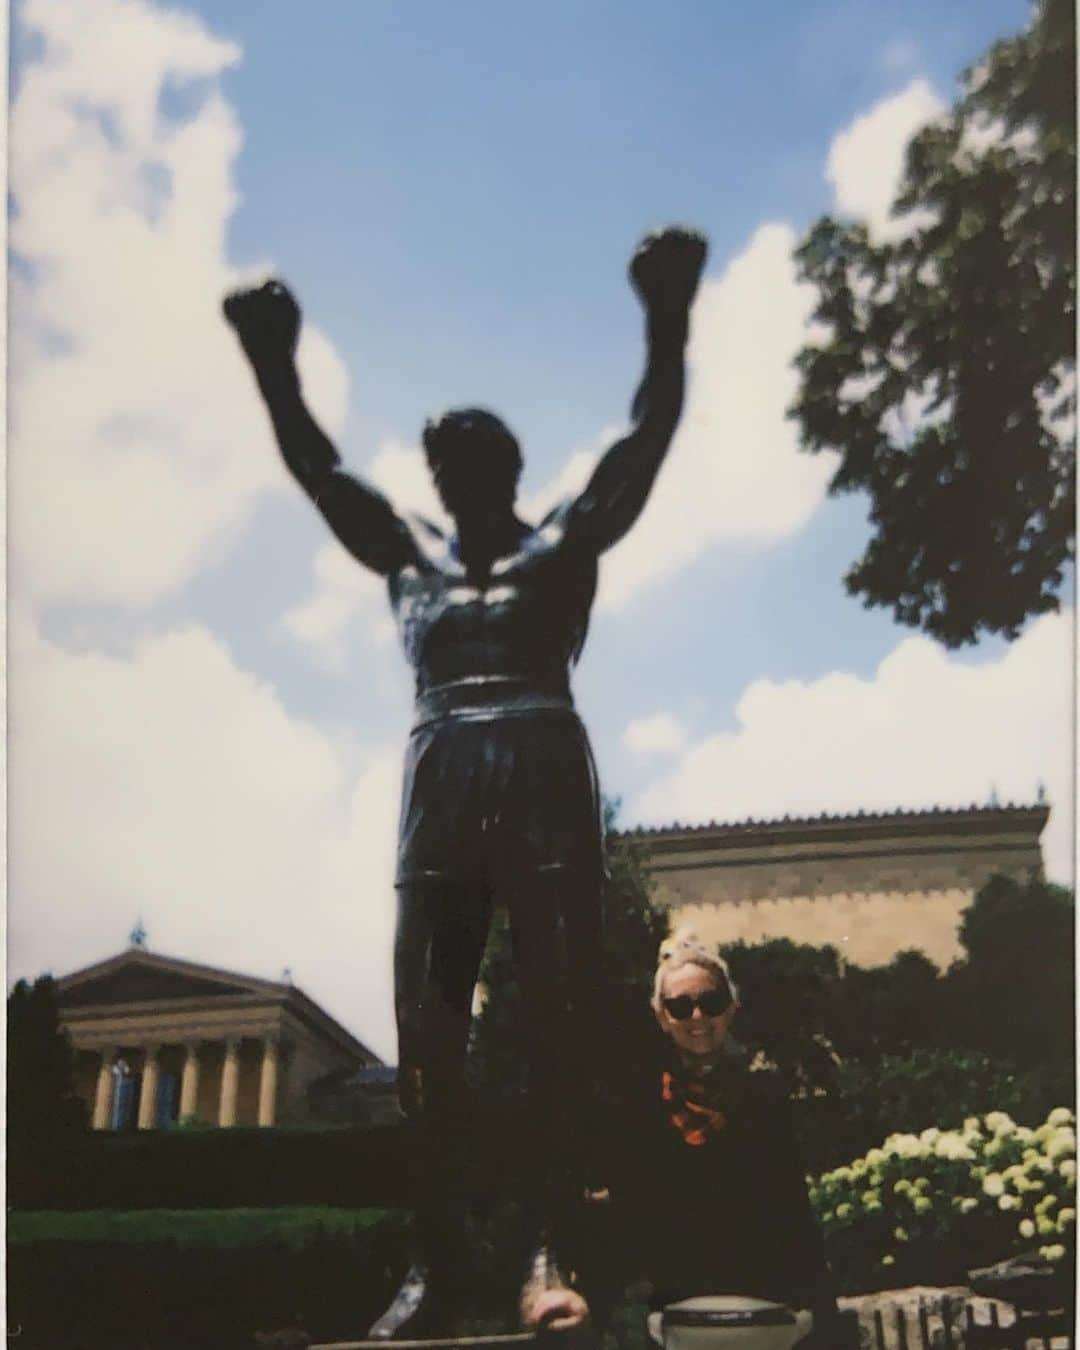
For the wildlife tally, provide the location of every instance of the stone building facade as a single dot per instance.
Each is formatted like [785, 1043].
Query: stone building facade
[869, 885]
[159, 1040]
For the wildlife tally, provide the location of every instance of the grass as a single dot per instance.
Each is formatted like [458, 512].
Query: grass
[294, 1227]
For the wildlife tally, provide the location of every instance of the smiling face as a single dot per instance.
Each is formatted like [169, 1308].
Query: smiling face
[698, 1036]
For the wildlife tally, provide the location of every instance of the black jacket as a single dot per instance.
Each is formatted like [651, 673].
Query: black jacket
[727, 1215]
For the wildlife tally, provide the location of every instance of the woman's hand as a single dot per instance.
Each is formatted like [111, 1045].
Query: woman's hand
[554, 1310]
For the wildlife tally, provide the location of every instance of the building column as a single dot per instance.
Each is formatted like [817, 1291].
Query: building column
[148, 1091]
[230, 1083]
[189, 1081]
[103, 1096]
[268, 1078]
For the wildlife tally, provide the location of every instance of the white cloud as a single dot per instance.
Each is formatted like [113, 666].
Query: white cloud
[926, 729]
[401, 473]
[173, 785]
[734, 471]
[866, 159]
[347, 604]
[660, 734]
[138, 446]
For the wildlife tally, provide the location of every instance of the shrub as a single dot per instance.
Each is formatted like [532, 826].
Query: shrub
[926, 1208]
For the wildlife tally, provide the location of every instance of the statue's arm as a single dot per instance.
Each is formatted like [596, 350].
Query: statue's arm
[267, 324]
[665, 272]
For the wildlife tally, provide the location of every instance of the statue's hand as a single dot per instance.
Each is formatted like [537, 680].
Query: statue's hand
[266, 320]
[666, 268]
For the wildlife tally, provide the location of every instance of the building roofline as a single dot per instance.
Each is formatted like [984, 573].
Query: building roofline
[1036, 814]
[289, 995]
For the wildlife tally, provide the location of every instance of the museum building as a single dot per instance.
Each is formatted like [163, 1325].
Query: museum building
[869, 884]
[158, 1041]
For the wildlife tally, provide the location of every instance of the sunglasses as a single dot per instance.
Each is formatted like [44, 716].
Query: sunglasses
[712, 1004]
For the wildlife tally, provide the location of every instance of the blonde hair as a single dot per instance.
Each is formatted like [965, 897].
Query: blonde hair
[683, 947]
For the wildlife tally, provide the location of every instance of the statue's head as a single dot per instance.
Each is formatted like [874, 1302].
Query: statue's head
[474, 459]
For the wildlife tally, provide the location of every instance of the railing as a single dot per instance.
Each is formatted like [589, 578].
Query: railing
[937, 1324]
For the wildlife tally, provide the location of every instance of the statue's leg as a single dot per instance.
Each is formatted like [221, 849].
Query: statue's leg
[441, 931]
[557, 932]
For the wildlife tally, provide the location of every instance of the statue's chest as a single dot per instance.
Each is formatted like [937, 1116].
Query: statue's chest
[532, 597]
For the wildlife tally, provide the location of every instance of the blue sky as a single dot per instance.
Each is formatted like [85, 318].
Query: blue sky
[207, 702]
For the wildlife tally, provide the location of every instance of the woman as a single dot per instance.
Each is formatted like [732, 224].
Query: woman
[707, 1195]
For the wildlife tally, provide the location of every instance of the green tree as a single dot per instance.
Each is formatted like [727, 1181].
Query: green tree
[41, 1098]
[890, 1009]
[946, 375]
[785, 990]
[1013, 992]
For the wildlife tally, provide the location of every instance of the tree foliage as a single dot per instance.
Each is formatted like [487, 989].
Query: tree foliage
[945, 374]
[41, 1101]
[1013, 994]
[785, 991]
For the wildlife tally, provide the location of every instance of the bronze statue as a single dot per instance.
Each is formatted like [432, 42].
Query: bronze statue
[500, 797]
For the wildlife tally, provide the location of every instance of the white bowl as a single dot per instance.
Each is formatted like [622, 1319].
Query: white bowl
[728, 1322]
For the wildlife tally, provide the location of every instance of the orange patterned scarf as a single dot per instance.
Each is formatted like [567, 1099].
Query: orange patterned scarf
[690, 1114]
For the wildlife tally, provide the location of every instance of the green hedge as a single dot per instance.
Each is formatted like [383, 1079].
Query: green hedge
[294, 1227]
[352, 1168]
[217, 1169]
[211, 1285]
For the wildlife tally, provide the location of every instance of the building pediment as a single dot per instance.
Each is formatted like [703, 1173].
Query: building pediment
[138, 976]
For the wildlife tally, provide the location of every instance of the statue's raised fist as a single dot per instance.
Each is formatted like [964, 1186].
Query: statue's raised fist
[266, 319]
[666, 268]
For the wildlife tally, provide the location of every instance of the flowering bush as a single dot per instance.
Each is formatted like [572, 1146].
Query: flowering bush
[928, 1207]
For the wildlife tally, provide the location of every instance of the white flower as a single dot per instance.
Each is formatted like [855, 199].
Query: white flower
[923, 1203]
[1027, 1228]
[999, 1123]
[875, 1157]
[842, 1211]
[953, 1146]
[1066, 1217]
[1052, 1253]
[888, 1259]
[967, 1204]
[900, 1234]
[1062, 1141]
[993, 1184]
[1067, 1168]
[929, 1136]
[1008, 1202]
[972, 1124]
[1060, 1115]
